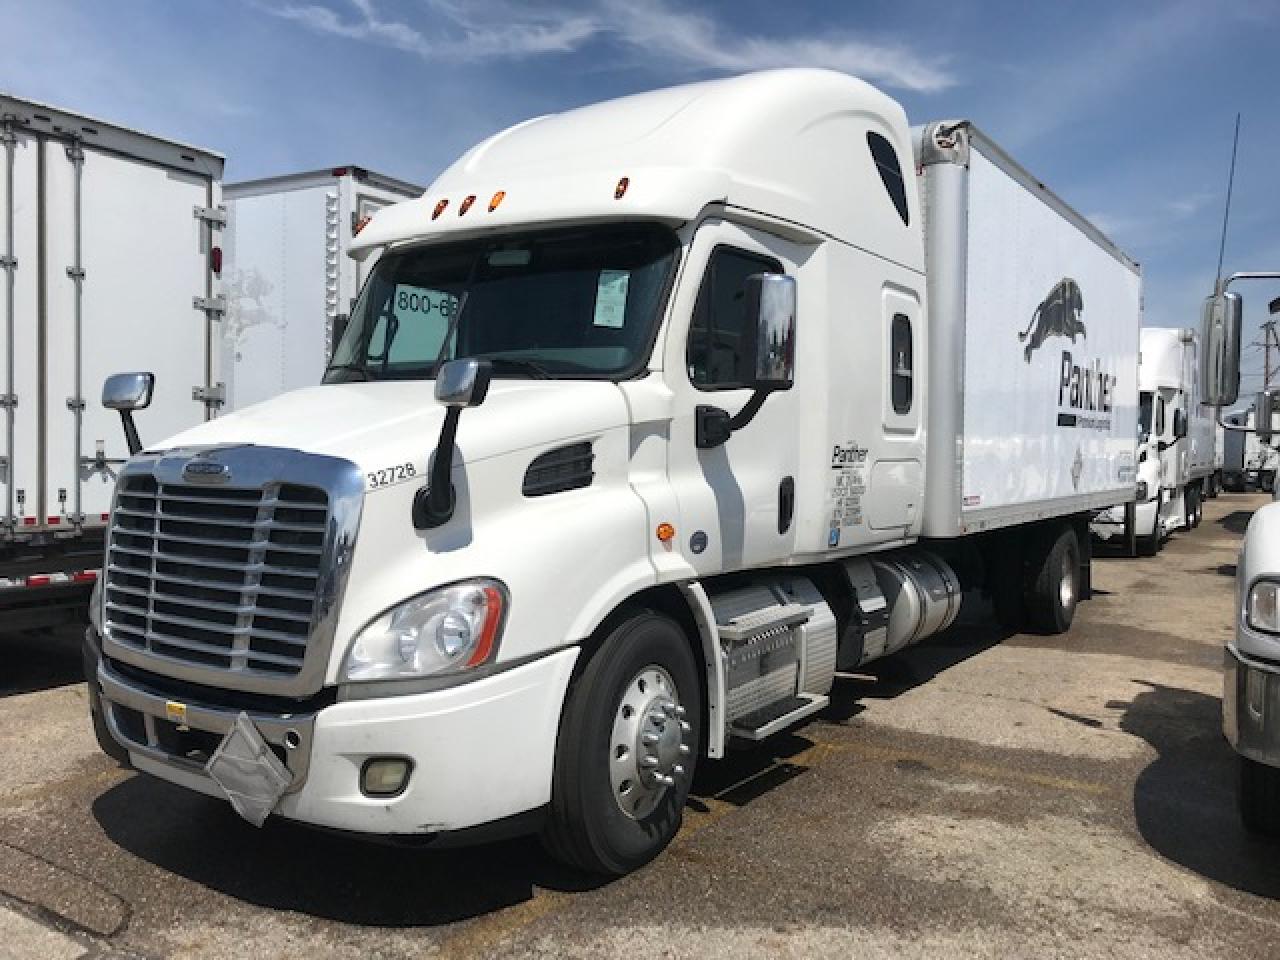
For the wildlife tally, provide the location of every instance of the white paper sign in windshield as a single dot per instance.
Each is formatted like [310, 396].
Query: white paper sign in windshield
[611, 298]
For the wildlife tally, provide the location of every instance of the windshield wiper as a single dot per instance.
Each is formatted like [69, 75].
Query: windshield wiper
[352, 367]
[534, 369]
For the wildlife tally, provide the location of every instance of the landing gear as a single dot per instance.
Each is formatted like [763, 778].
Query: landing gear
[627, 748]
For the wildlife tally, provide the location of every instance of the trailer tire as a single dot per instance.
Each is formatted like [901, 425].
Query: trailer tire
[1259, 797]
[1054, 578]
[588, 825]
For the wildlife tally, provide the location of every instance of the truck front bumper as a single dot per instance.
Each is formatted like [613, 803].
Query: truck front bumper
[480, 752]
[1251, 707]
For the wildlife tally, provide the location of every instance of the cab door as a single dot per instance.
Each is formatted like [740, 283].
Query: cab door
[737, 499]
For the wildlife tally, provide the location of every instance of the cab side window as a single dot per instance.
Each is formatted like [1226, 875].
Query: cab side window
[718, 353]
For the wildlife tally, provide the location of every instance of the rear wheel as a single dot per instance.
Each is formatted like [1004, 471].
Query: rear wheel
[627, 747]
[1053, 585]
[1259, 797]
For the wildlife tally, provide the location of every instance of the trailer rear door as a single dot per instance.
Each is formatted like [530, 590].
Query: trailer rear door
[19, 342]
[143, 254]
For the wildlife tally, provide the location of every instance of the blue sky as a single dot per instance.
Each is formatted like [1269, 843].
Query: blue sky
[1124, 109]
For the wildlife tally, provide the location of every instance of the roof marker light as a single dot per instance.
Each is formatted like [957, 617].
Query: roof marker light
[435, 215]
[466, 204]
[361, 224]
[666, 532]
[620, 190]
[497, 199]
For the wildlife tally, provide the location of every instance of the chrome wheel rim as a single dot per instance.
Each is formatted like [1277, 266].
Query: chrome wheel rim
[647, 749]
[1067, 583]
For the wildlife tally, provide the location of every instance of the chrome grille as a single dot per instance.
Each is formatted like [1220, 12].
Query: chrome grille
[214, 576]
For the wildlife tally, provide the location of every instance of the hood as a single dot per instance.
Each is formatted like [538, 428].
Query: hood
[379, 425]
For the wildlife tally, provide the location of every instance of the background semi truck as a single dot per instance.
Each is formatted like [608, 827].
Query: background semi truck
[1176, 442]
[108, 258]
[289, 282]
[737, 384]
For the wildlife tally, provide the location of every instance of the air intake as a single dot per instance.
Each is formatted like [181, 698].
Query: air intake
[566, 468]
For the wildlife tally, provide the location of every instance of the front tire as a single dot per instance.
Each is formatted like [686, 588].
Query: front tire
[1053, 587]
[1259, 797]
[627, 747]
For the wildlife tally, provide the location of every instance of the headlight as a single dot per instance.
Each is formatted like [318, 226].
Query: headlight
[1142, 491]
[95, 603]
[447, 630]
[1264, 606]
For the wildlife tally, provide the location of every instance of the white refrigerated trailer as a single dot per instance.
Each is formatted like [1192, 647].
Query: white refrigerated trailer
[289, 283]
[107, 259]
[759, 384]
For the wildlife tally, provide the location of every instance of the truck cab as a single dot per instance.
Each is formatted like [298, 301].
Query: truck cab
[621, 456]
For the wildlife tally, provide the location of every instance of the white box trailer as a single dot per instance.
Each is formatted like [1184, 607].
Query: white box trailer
[1034, 318]
[729, 394]
[289, 282]
[108, 252]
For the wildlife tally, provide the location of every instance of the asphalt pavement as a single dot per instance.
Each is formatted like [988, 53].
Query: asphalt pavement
[982, 795]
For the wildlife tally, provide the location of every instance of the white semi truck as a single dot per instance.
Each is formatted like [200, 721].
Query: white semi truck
[1251, 675]
[730, 387]
[109, 256]
[288, 280]
[1176, 442]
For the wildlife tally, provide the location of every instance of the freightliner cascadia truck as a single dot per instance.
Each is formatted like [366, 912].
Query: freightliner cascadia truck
[1177, 436]
[651, 417]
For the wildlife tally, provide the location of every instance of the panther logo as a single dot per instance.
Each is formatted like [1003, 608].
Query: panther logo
[1058, 315]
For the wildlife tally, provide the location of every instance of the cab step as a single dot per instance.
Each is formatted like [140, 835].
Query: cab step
[769, 720]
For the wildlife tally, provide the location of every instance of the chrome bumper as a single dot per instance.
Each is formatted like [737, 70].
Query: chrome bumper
[180, 736]
[1251, 707]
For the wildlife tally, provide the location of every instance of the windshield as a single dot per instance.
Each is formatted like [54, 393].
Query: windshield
[1144, 415]
[582, 302]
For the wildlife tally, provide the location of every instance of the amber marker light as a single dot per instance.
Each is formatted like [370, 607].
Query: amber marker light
[621, 189]
[466, 204]
[439, 209]
[360, 225]
[666, 532]
[497, 199]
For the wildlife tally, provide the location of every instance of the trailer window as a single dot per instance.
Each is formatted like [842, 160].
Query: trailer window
[890, 170]
[717, 353]
[901, 368]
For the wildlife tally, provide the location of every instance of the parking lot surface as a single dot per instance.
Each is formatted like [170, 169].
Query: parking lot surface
[983, 795]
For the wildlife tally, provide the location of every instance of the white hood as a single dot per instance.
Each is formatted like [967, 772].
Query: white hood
[383, 424]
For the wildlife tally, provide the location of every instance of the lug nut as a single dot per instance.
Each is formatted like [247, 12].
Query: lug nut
[664, 779]
[669, 709]
[677, 771]
[684, 750]
[680, 712]
[684, 726]
[650, 739]
[650, 761]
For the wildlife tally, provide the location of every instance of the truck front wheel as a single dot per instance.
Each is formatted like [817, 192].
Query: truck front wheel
[626, 751]
[1053, 584]
[1259, 797]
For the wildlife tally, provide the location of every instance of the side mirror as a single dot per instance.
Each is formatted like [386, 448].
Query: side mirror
[1265, 409]
[459, 384]
[771, 312]
[1222, 319]
[463, 383]
[127, 392]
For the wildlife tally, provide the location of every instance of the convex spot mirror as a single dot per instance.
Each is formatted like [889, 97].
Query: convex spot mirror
[1222, 318]
[128, 391]
[771, 312]
[463, 383]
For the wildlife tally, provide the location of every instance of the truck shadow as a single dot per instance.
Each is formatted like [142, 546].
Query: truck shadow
[1185, 801]
[38, 660]
[1236, 521]
[284, 866]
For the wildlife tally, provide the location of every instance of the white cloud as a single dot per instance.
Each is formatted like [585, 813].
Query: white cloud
[495, 29]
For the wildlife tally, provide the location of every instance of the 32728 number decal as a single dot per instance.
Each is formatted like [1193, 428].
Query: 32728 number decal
[390, 476]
